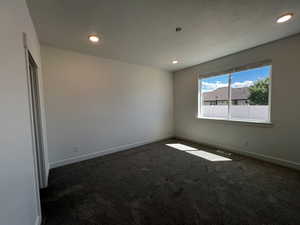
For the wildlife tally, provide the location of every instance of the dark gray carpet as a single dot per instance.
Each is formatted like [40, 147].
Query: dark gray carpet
[157, 185]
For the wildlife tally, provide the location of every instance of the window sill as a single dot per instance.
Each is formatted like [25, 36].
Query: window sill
[238, 122]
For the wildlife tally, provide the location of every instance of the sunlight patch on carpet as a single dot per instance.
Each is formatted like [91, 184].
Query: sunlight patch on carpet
[199, 153]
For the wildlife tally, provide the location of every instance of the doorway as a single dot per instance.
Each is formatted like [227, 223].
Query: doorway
[36, 119]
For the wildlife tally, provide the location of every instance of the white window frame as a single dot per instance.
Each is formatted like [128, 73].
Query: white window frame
[229, 72]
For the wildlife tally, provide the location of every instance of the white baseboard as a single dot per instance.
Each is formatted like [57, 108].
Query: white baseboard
[234, 149]
[102, 152]
[38, 221]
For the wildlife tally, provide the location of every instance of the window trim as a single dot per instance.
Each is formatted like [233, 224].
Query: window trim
[229, 72]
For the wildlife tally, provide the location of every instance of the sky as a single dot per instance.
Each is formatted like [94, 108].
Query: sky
[240, 79]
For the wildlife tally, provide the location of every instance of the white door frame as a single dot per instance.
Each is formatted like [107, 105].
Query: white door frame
[39, 171]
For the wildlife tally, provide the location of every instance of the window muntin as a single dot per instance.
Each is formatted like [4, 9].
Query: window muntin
[243, 95]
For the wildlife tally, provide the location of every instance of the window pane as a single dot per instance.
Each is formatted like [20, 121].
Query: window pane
[250, 94]
[214, 97]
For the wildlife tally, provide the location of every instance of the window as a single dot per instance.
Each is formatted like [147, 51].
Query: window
[241, 94]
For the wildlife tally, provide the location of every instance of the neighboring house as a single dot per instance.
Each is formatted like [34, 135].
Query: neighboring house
[219, 96]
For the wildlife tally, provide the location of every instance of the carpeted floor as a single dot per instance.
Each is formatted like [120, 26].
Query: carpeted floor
[159, 185]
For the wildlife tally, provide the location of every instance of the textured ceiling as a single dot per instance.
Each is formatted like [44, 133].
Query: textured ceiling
[143, 31]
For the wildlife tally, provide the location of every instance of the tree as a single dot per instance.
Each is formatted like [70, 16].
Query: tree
[259, 92]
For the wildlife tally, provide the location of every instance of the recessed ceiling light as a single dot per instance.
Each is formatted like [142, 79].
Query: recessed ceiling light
[94, 38]
[175, 61]
[284, 18]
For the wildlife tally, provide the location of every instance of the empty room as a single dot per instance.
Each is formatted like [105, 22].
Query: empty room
[147, 112]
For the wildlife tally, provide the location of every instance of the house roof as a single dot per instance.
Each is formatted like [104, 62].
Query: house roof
[222, 94]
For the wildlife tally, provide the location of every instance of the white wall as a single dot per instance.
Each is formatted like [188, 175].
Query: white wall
[96, 105]
[278, 143]
[18, 192]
